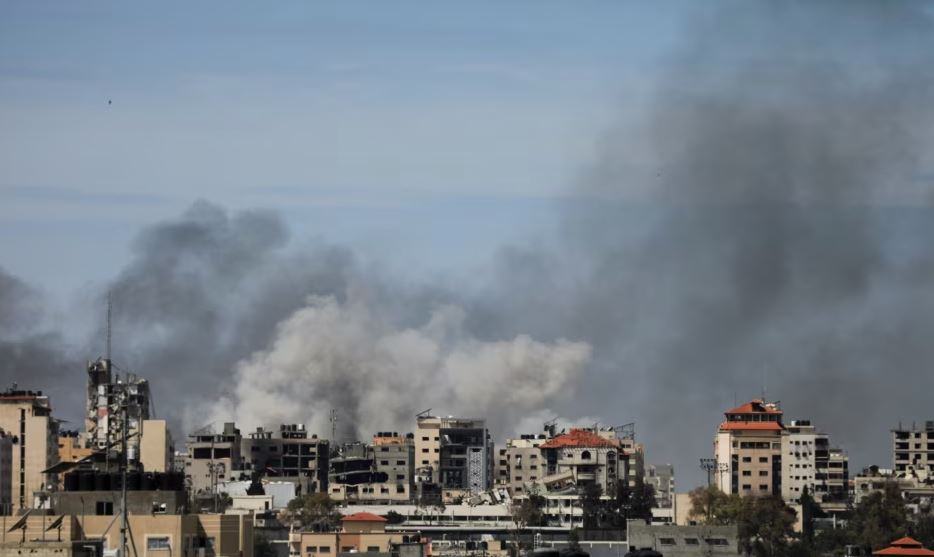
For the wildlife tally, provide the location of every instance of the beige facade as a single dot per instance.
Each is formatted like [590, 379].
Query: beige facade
[360, 532]
[520, 463]
[808, 461]
[748, 450]
[212, 457]
[155, 449]
[151, 536]
[27, 416]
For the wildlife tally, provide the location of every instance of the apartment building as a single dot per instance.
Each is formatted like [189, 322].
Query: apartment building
[581, 456]
[188, 535]
[662, 479]
[913, 449]
[111, 401]
[212, 458]
[748, 450]
[455, 453]
[520, 463]
[380, 473]
[27, 417]
[289, 454]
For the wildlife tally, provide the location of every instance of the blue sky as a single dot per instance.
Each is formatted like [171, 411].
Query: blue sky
[445, 129]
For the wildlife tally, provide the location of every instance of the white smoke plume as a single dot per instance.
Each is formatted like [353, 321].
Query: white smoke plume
[347, 356]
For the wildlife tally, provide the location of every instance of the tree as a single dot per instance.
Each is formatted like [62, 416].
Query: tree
[591, 504]
[709, 505]
[574, 540]
[641, 500]
[262, 547]
[809, 509]
[392, 517]
[526, 512]
[765, 524]
[315, 510]
[879, 518]
[923, 530]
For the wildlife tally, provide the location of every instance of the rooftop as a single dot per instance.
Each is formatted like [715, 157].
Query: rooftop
[579, 438]
[363, 517]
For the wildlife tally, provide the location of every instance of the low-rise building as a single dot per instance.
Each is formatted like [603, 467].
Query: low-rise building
[684, 541]
[212, 458]
[361, 532]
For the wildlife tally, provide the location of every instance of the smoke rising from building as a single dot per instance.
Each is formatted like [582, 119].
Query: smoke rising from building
[765, 224]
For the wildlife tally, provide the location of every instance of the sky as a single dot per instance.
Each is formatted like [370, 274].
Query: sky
[651, 205]
[360, 123]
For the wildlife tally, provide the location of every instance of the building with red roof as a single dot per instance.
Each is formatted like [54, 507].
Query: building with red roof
[905, 547]
[748, 449]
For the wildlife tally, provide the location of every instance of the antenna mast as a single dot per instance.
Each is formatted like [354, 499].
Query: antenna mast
[109, 322]
[333, 420]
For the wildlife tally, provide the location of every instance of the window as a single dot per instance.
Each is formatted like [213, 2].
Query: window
[400, 489]
[763, 459]
[311, 549]
[763, 487]
[372, 548]
[424, 439]
[384, 463]
[666, 541]
[424, 450]
[585, 455]
[747, 486]
[691, 541]
[716, 541]
[400, 476]
[763, 472]
[324, 549]
[157, 542]
[400, 463]
[104, 508]
[747, 472]
[747, 459]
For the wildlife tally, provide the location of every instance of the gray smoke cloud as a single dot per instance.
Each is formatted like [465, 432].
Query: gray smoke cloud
[766, 224]
[775, 233]
[33, 355]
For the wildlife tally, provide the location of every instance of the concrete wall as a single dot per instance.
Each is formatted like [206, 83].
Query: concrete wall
[81, 503]
[684, 541]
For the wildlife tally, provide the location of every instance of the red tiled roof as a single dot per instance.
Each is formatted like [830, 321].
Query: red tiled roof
[363, 517]
[756, 406]
[906, 547]
[579, 438]
[757, 426]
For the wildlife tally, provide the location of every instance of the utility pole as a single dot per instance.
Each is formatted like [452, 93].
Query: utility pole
[125, 462]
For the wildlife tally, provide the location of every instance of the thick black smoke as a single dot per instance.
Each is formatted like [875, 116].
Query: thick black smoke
[766, 225]
[780, 240]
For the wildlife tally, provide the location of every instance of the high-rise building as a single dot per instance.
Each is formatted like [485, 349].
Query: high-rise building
[111, 400]
[809, 461]
[913, 449]
[456, 453]
[27, 417]
[748, 450]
